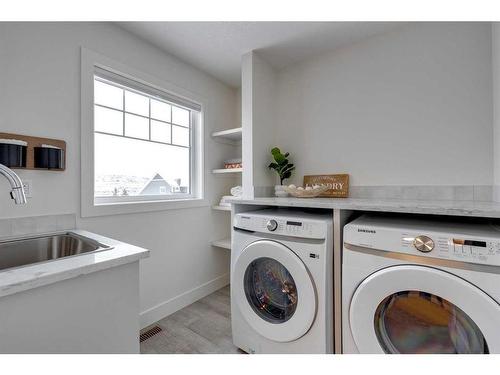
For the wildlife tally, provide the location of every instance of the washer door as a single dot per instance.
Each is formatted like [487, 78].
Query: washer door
[419, 309]
[274, 291]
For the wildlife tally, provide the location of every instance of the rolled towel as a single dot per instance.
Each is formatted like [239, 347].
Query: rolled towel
[224, 202]
[237, 191]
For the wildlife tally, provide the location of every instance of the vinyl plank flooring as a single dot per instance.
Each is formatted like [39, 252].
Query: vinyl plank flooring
[202, 327]
[217, 303]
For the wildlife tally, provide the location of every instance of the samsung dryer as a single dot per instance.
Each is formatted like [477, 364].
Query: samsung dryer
[420, 286]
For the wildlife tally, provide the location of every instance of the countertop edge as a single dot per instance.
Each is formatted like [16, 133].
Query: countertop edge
[41, 274]
[431, 207]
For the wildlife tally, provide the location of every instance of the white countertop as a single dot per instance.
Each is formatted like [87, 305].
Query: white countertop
[23, 278]
[432, 207]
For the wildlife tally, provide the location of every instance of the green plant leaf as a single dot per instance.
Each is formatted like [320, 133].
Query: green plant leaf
[281, 165]
[275, 150]
[280, 159]
[284, 167]
[289, 171]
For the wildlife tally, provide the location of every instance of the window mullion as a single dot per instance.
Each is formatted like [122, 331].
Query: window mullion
[123, 108]
[149, 119]
[171, 126]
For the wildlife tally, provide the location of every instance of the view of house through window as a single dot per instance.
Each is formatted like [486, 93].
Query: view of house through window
[143, 145]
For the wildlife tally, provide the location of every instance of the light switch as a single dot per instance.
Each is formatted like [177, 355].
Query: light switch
[28, 188]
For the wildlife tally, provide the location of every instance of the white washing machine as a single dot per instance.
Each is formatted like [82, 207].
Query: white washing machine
[281, 282]
[412, 286]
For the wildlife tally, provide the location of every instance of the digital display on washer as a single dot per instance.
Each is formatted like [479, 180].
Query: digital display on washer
[295, 223]
[469, 242]
[475, 243]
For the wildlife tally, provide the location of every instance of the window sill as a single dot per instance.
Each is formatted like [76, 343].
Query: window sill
[123, 208]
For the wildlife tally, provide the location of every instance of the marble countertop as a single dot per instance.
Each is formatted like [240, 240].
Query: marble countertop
[432, 207]
[23, 278]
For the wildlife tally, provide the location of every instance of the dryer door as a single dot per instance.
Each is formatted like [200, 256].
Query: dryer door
[274, 291]
[420, 309]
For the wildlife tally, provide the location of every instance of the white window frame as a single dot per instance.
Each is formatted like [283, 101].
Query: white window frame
[91, 60]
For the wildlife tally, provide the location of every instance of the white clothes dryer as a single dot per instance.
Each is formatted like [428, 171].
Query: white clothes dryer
[420, 286]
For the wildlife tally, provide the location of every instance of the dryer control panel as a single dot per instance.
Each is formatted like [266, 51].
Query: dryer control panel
[471, 243]
[462, 248]
[284, 223]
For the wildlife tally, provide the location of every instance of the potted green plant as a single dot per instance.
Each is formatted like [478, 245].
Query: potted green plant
[283, 168]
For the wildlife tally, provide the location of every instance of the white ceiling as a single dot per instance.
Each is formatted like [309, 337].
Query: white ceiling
[217, 47]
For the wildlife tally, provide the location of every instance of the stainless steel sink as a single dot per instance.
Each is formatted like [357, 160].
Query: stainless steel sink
[25, 251]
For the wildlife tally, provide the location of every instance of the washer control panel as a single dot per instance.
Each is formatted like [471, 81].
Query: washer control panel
[281, 225]
[464, 242]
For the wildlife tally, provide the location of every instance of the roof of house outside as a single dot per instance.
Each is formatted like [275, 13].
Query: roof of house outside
[154, 186]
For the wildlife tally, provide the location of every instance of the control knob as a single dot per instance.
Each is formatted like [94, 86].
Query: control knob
[423, 243]
[272, 225]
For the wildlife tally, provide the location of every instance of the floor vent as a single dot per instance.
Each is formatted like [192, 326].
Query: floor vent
[150, 333]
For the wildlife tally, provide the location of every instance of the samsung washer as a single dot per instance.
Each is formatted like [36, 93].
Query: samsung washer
[281, 282]
[420, 286]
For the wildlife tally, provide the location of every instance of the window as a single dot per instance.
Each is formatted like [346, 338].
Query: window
[141, 141]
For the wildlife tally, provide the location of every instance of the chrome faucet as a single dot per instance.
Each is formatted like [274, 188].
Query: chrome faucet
[16, 184]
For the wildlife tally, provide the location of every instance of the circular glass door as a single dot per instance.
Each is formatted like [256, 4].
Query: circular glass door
[411, 322]
[270, 290]
[274, 291]
[415, 309]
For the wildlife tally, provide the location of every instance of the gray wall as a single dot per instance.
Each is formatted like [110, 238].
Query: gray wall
[410, 107]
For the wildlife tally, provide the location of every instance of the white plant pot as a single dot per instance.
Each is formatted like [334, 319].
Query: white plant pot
[279, 191]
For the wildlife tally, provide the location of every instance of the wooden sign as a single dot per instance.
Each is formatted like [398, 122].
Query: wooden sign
[338, 184]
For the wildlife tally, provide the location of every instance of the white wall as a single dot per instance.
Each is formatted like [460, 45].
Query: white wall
[410, 107]
[40, 95]
[495, 51]
[258, 108]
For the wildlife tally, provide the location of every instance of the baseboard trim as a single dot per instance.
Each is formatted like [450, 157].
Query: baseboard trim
[172, 305]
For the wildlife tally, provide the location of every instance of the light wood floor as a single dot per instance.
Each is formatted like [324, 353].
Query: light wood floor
[203, 327]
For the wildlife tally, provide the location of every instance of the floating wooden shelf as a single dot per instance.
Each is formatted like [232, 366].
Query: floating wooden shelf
[228, 170]
[224, 243]
[221, 208]
[231, 135]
